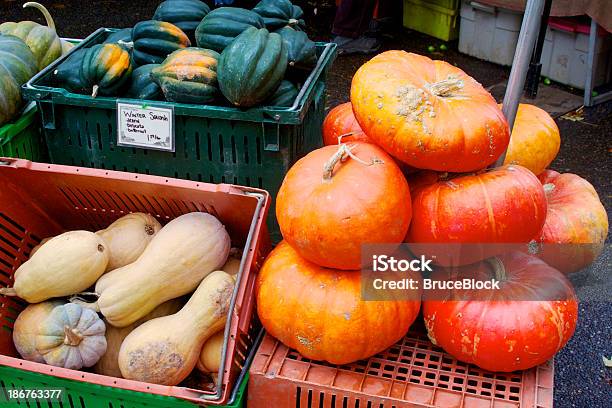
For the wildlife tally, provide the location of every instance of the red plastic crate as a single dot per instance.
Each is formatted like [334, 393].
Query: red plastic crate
[40, 200]
[412, 373]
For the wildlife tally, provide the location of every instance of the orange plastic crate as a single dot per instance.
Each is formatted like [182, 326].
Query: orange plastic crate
[412, 373]
[40, 200]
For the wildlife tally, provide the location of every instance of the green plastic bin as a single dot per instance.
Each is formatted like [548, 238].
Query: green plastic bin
[22, 138]
[438, 18]
[85, 395]
[216, 144]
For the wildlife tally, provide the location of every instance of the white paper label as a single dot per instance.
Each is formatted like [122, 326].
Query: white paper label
[147, 127]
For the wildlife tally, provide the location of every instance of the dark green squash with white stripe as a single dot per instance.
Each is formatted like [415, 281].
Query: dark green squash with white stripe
[189, 76]
[219, 28]
[155, 40]
[17, 65]
[185, 14]
[67, 74]
[105, 69]
[280, 13]
[301, 51]
[252, 67]
[122, 37]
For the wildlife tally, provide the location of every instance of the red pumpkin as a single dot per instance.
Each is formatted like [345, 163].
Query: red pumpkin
[535, 139]
[340, 121]
[428, 114]
[576, 223]
[500, 206]
[522, 324]
[332, 201]
[320, 312]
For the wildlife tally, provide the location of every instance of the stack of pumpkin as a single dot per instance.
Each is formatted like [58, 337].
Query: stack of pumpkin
[242, 56]
[148, 331]
[444, 129]
[25, 48]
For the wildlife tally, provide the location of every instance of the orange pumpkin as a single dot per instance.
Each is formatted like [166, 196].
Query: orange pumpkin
[576, 226]
[320, 312]
[337, 198]
[535, 139]
[429, 114]
[340, 121]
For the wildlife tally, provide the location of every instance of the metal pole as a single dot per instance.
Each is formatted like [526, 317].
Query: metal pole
[520, 64]
[591, 64]
[535, 67]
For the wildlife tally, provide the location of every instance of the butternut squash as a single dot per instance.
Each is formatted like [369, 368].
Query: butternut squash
[166, 349]
[65, 265]
[210, 356]
[71, 337]
[128, 237]
[37, 247]
[109, 362]
[232, 266]
[176, 260]
[26, 326]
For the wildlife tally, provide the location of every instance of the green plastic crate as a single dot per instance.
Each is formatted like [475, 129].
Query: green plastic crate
[22, 138]
[215, 144]
[86, 395]
[438, 18]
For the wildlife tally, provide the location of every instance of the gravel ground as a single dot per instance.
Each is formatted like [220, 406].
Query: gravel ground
[580, 379]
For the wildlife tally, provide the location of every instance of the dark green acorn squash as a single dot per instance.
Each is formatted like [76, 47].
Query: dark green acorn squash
[142, 85]
[17, 65]
[67, 74]
[185, 14]
[280, 13]
[105, 69]
[122, 37]
[155, 40]
[301, 51]
[284, 96]
[189, 76]
[252, 67]
[219, 28]
[42, 40]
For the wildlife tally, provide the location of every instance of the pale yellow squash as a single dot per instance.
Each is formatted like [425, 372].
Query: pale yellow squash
[232, 266]
[26, 329]
[64, 265]
[165, 350]
[37, 247]
[128, 237]
[211, 354]
[109, 362]
[180, 255]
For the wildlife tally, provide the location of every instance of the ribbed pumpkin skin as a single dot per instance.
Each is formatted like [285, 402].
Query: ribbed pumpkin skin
[155, 40]
[185, 14]
[67, 75]
[188, 76]
[301, 50]
[284, 96]
[428, 114]
[42, 40]
[280, 13]
[252, 67]
[17, 66]
[142, 85]
[107, 67]
[219, 28]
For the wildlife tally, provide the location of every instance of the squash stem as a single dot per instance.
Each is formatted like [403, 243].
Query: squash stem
[343, 152]
[94, 92]
[446, 87]
[8, 291]
[498, 268]
[44, 11]
[72, 336]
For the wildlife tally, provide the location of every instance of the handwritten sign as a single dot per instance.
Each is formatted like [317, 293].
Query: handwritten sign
[149, 127]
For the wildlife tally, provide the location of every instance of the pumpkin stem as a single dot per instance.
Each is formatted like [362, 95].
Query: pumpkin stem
[44, 11]
[129, 44]
[343, 152]
[94, 92]
[292, 22]
[446, 87]
[498, 268]
[73, 336]
[8, 291]
[548, 188]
